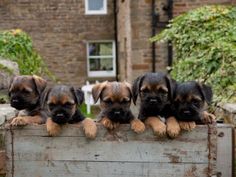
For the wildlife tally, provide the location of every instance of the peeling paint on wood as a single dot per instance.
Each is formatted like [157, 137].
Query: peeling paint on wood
[121, 153]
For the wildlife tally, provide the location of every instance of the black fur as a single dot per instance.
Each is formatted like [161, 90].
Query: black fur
[63, 113]
[154, 102]
[28, 100]
[191, 110]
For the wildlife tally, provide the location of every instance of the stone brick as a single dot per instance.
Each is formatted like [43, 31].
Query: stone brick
[2, 162]
[59, 30]
[140, 66]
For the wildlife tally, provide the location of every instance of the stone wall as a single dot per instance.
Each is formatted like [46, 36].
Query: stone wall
[60, 30]
[134, 45]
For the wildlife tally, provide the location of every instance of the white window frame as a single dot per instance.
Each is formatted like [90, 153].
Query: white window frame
[95, 12]
[102, 73]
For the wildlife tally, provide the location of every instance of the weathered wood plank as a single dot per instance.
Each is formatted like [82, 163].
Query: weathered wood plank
[225, 151]
[107, 169]
[121, 153]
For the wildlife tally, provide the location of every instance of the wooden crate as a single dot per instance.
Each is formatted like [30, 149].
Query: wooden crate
[31, 153]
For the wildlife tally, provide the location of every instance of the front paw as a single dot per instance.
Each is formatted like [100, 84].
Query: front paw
[158, 127]
[137, 126]
[90, 128]
[188, 126]
[172, 127]
[107, 123]
[53, 128]
[208, 118]
[18, 121]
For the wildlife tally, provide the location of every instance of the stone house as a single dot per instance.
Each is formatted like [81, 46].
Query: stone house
[92, 40]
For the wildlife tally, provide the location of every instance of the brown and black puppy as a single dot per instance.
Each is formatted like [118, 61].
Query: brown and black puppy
[61, 106]
[156, 93]
[25, 92]
[115, 100]
[190, 103]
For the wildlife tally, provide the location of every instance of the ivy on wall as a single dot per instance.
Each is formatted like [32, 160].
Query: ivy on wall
[17, 46]
[204, 42]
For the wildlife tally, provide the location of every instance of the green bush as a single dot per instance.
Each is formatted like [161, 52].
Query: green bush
[204, 42]
[17, 46]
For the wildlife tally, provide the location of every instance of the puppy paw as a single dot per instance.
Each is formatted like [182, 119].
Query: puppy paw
[208, 118]
[172, 127]
[188, 126]
[107, 123]
[19, 121]
[137, 126]
[115, 125]
[158, 127]
[90, 128]
[53, 128]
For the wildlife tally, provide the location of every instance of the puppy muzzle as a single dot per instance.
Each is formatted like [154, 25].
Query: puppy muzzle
[18, 103]
[60, 117]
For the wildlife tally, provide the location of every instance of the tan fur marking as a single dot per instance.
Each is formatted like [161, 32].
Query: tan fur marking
[25, 120]
[90, 128]
[208, 118]
[137, 126]
[158, 127]
[172, 127]
[188, 126]
[53, 128]
[162, 87]
[107, 123]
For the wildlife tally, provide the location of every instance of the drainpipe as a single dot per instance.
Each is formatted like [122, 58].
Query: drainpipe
[170, 16]
[116, 38]
[154, 22]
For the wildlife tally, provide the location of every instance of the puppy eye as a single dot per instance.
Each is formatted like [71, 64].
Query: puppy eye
[107, 101]
[196, 102]
[164, 92]
[145, 90]
[26, 91]
[124, 101]
[68, 104]
[51, 105]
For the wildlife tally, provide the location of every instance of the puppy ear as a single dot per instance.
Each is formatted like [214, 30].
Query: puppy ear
[136, 86]
[128, 85]
[79, 95]
[171, 85]
[206, 92]
[44, 97]
[97, 90]
[40, 83]
[11, 84]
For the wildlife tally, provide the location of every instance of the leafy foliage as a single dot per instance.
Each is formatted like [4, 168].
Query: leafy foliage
[204, 42]
[16, 45]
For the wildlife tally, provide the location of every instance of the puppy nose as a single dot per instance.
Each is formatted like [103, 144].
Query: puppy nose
[15, 101]
[186, 112]
[59, 115]
[117, 112]
[153, 100]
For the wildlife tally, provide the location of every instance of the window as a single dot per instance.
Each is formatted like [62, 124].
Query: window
[101, 58]
[95, 7]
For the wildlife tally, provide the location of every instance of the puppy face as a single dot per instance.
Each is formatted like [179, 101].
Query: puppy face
[61, 103]
[155, 90]
[191, 99]
[25, 91]
[115, 98]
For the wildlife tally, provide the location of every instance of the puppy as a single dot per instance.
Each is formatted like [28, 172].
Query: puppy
[61, 106]
[190, 102]
[25, 93]
[156, 93]
[115, 100]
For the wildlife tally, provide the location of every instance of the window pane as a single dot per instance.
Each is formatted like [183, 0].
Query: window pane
[100, 49]
[95, 5]
[101, 64]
